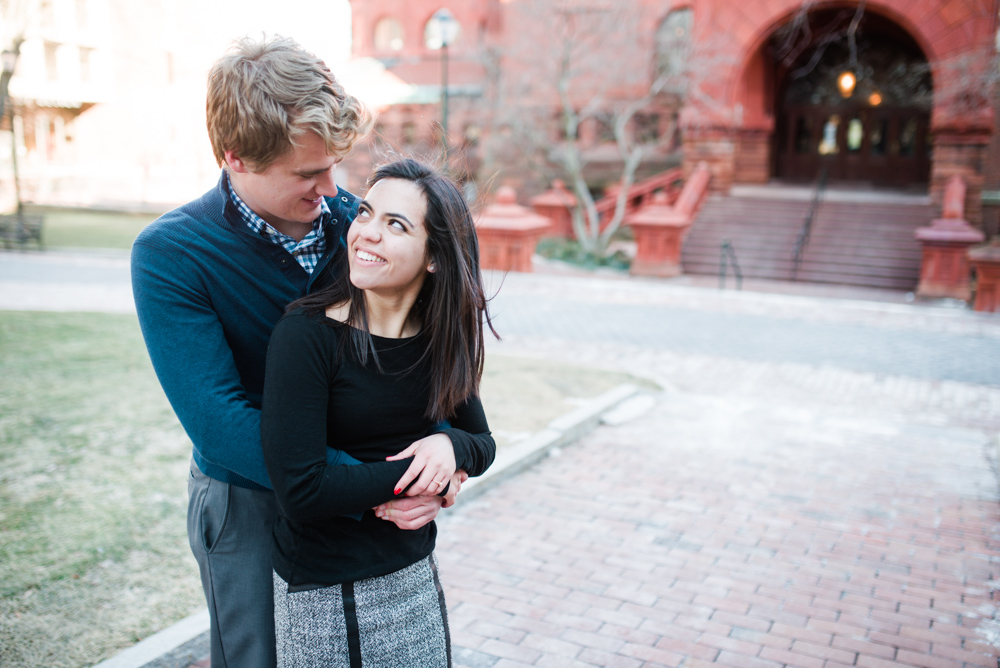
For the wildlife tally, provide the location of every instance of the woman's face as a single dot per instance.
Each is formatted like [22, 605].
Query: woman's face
[387, 242]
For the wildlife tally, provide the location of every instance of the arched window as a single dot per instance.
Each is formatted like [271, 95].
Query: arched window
[388, 35]
[673, 40]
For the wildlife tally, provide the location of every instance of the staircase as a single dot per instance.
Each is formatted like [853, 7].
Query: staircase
[858, 237]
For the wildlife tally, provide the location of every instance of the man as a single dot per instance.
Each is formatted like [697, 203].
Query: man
[212, 278]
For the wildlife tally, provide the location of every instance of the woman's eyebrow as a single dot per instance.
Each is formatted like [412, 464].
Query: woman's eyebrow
[401, 217]
[366, 205]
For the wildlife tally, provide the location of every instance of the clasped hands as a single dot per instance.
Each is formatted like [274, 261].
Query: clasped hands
[418, 491]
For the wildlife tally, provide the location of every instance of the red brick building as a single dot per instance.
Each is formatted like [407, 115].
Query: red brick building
[765, 99]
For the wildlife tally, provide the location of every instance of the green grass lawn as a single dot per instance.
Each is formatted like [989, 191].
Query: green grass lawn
[93, 555]
[68, 228]
[93, 471]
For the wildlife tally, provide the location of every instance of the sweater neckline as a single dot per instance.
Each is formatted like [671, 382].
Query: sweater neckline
[383, 339]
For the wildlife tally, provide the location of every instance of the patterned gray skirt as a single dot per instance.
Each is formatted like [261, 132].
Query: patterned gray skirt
[393, 621]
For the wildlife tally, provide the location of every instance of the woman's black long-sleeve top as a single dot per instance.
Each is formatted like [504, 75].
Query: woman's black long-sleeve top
[316, 391]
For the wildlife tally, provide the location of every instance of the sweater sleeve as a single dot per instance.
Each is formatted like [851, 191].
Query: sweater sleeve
[470, 435]
[301, 365]
[194, 362]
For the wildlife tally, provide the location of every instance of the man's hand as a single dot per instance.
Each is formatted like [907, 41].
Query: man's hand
[432, 466]
[413, 512]
[410, 512]
[454, 487]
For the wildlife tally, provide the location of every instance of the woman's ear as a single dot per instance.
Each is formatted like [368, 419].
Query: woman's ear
[431, 267]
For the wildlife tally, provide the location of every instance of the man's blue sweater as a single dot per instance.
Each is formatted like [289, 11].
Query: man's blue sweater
[208, 292]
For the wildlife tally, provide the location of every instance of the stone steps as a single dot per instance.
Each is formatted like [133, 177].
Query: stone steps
[863, 243]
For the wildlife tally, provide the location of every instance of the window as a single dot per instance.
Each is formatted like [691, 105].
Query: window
[388, 35]
[803, 135]
[673, 39]
[855, 134]
[51, 61]
[85, 63]
[877, 138]
[647, 128]
[47, 12]
[828, 145]
[908, 138]
[409, 132]
[605, 127]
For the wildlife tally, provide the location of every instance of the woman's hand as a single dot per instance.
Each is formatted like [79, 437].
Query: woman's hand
[432, 467]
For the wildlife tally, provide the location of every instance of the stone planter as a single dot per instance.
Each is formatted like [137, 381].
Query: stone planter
[508, 233]
[556, 204]
[944, 268]
[986, 260]
[659, 236]
[660, 228]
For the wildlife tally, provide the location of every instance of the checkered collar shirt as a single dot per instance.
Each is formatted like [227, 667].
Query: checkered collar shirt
[306, 252]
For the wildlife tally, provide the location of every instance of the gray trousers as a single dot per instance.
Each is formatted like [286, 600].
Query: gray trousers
[229, 529]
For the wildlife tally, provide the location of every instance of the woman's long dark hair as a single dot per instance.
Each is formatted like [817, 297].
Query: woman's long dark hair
[451, 306]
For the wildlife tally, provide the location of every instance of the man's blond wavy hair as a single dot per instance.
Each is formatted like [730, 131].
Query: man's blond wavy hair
[263, 95]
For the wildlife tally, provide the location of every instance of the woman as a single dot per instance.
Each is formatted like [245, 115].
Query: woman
[370, 365]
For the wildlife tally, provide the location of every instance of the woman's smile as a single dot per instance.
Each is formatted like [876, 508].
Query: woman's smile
[369, 257]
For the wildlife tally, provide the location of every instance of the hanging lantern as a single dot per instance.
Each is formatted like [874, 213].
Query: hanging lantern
[846, 83]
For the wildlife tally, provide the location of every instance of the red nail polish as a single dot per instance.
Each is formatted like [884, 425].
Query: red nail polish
[397, 491]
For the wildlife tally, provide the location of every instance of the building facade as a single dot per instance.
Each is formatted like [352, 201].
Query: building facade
[881, 94]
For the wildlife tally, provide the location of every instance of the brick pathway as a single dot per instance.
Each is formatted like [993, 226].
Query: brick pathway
[762, 515]
[815, 487]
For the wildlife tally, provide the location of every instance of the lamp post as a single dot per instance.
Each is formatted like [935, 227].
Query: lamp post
[442, 30]
[8, 59]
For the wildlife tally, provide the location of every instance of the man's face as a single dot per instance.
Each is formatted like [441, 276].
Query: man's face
[289, 192]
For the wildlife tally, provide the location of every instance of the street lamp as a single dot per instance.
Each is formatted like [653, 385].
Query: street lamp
[442, 31]
[8, 61]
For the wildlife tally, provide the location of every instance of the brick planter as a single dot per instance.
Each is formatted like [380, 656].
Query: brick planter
[556, 205]
[944, 268]
[986, 260]
[508, 233]
[660, 228]
[659, 236]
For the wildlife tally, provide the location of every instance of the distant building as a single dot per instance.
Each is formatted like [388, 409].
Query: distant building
[880, 95]
[919, 110]
[109, 95]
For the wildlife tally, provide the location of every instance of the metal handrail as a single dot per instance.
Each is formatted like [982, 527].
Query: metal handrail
[728, 254]
[666, 181]
[807, 223]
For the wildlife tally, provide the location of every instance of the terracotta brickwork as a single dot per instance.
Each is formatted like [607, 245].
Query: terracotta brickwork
[956, 38]
[728, 118]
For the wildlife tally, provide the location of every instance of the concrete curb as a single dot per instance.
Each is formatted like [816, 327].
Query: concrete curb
[185, 642]
[176, 646]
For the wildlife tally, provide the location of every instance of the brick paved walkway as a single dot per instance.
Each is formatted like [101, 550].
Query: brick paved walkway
[762, 515]
[815, 487]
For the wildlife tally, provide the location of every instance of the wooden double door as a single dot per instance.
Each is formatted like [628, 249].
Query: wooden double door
[875, 145]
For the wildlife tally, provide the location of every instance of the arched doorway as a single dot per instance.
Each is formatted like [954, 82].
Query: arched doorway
[853, 101]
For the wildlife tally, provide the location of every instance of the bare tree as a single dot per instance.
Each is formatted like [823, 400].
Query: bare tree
[579, 80]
